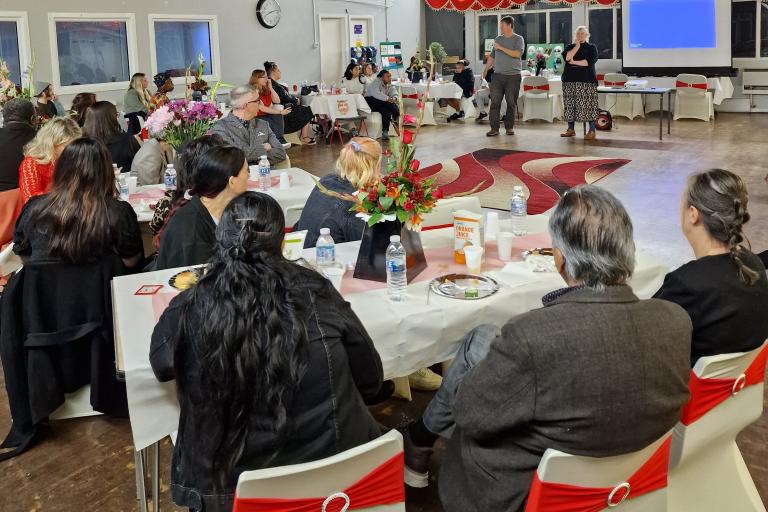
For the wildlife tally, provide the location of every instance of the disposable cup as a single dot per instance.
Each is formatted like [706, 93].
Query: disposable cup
[491, 225]
[504, 243]
[334, 275]
[473, 255]
[133, 183]
[285, 181]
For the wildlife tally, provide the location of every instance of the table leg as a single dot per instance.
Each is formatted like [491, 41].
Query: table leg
[661, 116]
[669, 112]
[156, 477]
[141, 491]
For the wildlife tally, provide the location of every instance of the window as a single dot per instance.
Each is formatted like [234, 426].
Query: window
[560, 27]
[14, 43]
[177, 43]
[538, 22]
[488, 28]
[601, 23]
[92, 52]
[533, 27]
[763, 30]
[744, 29]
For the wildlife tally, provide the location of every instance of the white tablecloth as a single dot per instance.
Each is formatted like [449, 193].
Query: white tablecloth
[301, 186]
[408, 335]
[722, 88]
[321, 105]
[437, 90]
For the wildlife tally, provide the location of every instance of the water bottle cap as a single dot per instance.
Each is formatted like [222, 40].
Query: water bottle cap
[394, 239]
[518, 188]
[325, 231]
[169, 166]
[114, 166]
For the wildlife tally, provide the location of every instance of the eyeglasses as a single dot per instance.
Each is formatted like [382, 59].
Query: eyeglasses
[254, 101]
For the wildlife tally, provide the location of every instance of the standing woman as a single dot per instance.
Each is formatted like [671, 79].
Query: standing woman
[136, 102]
[269, 98]
[580, 84]
[300, 116]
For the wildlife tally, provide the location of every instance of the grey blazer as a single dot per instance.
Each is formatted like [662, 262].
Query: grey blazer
[149, 163]
[251, 139]
[594, 373]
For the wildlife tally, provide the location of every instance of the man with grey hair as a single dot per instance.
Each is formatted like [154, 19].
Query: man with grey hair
[242, 129]
[595, 372]
[18, 129]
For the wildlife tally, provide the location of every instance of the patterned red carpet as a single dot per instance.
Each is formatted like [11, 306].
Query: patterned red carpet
[546, 176]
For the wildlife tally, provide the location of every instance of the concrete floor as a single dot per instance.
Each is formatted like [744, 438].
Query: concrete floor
[87, 464]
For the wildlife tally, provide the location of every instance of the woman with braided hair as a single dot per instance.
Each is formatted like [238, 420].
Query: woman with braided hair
[272, 366]
[725, 289]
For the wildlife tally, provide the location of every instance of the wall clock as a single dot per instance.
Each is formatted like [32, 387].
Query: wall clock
[268, 13]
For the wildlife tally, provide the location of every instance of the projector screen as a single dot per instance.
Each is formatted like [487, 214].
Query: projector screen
[676, 36]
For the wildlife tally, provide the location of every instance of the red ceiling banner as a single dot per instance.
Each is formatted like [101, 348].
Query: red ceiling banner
[479, 5]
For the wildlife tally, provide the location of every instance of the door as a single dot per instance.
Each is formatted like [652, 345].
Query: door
[361, 31]
[333, 48]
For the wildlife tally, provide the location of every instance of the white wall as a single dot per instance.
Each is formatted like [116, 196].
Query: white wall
[244, 43]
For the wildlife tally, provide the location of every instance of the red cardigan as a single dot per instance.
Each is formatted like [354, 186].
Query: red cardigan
[34, 178]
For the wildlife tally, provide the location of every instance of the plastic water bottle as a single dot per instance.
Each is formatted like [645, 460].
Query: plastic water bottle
[322, 88]
[116, 171]
[170, 177]
[264, 176]
[396, 277]
[325, 249]
[519, 210]
[123, 188]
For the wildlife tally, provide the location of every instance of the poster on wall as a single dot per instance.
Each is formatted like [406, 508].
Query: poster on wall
[552, 54]
[488, 47]
[391, 55]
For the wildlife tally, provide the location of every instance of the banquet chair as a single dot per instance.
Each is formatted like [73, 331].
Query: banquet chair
[285, 164]
[373, 122]
[9, 261]
[624, 105]
[292, 214]
[537, 102]
[410, 105]
[707, 471]
[367, 477]
[633, 482]
[692, 99]
[343, 109]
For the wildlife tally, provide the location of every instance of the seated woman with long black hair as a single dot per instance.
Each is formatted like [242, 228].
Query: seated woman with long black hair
[189, 237]
[300, 116]
[271, 364]
[101, 123]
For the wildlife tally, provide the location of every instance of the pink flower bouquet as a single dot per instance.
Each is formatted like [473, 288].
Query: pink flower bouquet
[181, 120]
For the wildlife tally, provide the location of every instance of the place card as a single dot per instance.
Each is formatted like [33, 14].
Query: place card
[148, 289]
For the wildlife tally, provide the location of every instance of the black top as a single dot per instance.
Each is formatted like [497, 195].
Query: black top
[587, 74]
[466, 80]
[728, 315]
[13, 137]
[30, 239]
[282, 92]
[189, 237]
[764, 256]
[322, 211]
[123, 147]
[327, 414]
[47, 110]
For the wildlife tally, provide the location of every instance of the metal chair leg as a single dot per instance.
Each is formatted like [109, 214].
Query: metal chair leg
[156, 477]
[141, 491]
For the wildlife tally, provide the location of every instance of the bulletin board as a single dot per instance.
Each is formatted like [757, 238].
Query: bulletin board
[391, 55]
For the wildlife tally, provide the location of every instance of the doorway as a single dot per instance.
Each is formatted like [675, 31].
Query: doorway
[338, 33]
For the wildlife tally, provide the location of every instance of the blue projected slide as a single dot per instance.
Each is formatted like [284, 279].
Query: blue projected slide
[672, 24]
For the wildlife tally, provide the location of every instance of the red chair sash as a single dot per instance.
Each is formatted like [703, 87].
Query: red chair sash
[615, 84]
[600, 77]
[411, 96]
[683, 85]
[554, 497]
[706, 394]
[382, 486]
[542, 87]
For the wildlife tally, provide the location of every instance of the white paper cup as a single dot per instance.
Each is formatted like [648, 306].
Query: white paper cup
[253, 172]
[285, 181]
[277, 106]
[491, 225]
[473, 255]
[133, 183]
[222, 106]
[505, 225]
[335, 275]
[504, 242]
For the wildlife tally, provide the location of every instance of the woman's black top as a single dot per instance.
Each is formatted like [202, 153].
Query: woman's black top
[31, 240]
[285, 96]
[13, 137]
[466, 80]
[322, 211]
[327, 414]
[585, 74]
[189, 237]
[728, 315]
[123, 147]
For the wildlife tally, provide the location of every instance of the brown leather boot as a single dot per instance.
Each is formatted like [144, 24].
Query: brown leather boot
[590, 135]
[568, 133]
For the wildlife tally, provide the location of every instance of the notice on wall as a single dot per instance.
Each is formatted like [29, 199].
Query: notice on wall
[358, 29]
[391, 55]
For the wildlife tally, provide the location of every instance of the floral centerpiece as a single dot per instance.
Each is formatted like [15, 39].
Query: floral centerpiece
[199, 87]
[179, 121]
[541, 62]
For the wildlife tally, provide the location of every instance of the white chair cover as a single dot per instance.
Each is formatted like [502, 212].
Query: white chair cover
[624, 105]
[538, 103]
[692, 99]
[410, 101]
[707, 471]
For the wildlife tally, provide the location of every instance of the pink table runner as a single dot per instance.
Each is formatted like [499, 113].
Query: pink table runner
[149, 195]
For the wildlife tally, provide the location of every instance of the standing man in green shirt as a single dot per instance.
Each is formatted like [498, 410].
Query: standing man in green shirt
[506, 61]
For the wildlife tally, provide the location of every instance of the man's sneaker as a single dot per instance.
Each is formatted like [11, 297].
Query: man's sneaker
[425, 380]
[416, 462]
[453, 117]
[481, 116]
[492, 133]
[384, 135]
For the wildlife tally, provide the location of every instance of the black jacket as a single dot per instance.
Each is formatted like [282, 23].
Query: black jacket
[189, 237]
[326, 416]
[285, 96]
[586, 74]
[466, 80]
[764, 258]
[13, 137]
[322, 211]
[123, 147]
[594, 373]
[728, 315]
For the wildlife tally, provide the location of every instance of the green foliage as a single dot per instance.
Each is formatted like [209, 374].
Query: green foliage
[437, 51]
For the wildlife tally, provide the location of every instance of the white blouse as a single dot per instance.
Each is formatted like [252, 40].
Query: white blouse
[353, 86]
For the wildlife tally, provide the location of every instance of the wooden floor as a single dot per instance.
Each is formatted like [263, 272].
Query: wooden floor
[87, 464]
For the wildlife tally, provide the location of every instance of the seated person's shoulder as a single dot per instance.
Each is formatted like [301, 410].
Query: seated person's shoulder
[764, 258]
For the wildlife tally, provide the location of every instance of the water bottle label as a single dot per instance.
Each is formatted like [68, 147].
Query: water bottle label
[325, 254]
[395, 266]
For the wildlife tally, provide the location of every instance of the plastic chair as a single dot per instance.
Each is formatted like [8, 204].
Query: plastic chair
[292, 215]
[707, 472]
[634, 482]
[537, 102]
[410, 105]
[624, 105]
[344, 479]
[692, 99]
[343, 108]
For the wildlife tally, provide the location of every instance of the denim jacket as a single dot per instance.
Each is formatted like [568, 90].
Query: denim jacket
[323, 211]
